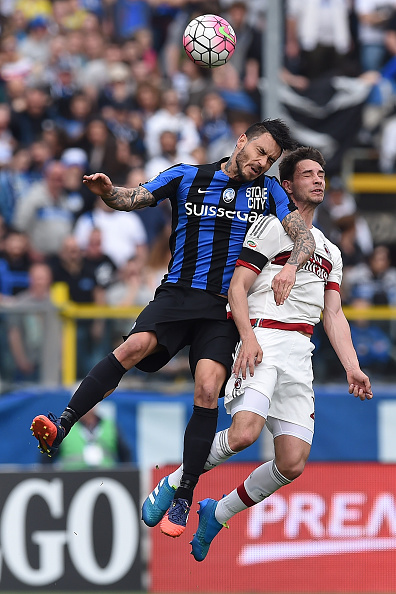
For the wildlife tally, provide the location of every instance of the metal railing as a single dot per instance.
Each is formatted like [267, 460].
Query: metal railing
[59, 345]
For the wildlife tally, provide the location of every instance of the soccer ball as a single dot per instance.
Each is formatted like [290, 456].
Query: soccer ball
[209, 40]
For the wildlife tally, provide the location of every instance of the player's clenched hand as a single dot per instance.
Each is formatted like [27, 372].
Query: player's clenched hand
[283, 282]
[359, 384]
[249, 355]
[99, 183]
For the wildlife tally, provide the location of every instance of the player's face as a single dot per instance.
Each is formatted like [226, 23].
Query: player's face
[308, 183]
[254, 157]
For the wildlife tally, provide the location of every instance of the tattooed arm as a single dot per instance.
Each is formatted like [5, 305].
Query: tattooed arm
[304, 245]
[116, 197]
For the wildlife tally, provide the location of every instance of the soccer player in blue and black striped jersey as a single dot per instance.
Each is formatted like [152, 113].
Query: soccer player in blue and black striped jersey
[213, 205]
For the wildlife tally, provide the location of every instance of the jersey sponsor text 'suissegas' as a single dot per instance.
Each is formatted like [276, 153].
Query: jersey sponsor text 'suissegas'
[211, 213]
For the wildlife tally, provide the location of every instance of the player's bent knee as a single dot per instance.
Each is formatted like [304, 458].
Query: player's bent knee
[206, 396]
[242, 437]
[291, 469]
[207, 390]
[135, 348]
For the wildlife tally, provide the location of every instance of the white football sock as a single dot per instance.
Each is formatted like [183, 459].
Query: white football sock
[220, 450]
[263, 481]
[175, 477]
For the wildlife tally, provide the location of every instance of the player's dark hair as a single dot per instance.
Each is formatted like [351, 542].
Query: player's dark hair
[278, 130]
[289, 162]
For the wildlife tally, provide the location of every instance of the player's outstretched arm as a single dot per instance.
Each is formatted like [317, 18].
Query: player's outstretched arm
[304, 246]
[337, 329]
[250, 352]
[117, 197]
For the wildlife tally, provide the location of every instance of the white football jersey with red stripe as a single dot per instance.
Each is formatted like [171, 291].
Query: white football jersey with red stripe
[266, 249]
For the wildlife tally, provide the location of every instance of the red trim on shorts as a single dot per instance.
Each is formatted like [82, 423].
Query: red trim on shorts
[333, 286]
[247, 265]
[244, 497]
[262, 323]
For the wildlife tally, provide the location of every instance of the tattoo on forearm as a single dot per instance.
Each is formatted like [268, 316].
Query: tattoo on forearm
[128, 198]
[304, 243]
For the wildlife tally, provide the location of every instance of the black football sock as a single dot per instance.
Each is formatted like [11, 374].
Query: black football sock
[198, 439]
[99, 383]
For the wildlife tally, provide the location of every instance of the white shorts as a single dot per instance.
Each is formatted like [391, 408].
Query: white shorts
[284, 376]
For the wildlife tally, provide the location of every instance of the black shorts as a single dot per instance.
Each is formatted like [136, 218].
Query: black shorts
[181, 316]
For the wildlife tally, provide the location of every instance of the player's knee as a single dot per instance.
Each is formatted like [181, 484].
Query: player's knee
[292, 468]
[134, 349]
[206, 394]
[242, 437]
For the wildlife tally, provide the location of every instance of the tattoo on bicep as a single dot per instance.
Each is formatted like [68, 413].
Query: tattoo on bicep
[304, 243]
[129, 198]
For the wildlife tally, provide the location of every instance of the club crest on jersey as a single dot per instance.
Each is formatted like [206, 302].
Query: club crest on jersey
[228, 195]
[326, 249]
[238, 390]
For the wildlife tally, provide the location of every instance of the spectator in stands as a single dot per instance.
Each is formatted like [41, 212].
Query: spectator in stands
[375, 279]
[36, 43]
[40, 156]
[227, 83]
[76, 118]
[28, 124]
[44, 213]
[155, 220]
[129, 287]
[169, 154]
[15, 261]
[93, 75]
[333, 214]
[123, 234]
[247, 55]
[75, 160]
[13, 65]
[191, 81]
[318, 37]
[372, 342]
[352, 255]
[372, 15]
[148, 99]
[170, 117]
[118, 90]
[69, 266]
[26, 330]
[15, 181]
[7, 141]
[96, 443]
[215, 121]
[102, 266]
[158, 260]
[100, 145]
[62, 85]
[239, 121]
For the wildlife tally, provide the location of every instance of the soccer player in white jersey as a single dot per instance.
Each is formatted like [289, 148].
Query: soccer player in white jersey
[272, 374]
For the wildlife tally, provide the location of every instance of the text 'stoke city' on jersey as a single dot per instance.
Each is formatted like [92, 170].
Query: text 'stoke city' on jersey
[210, 216]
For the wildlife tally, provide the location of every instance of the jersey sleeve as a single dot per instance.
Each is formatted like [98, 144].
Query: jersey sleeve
[335, 276]
[280, 203]
[165, 184]
[261, 244]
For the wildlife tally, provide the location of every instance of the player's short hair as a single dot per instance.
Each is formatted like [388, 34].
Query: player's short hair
[279, 131]
[289, 162]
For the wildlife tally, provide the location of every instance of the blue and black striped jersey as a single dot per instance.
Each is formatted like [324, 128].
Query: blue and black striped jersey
[210, 216]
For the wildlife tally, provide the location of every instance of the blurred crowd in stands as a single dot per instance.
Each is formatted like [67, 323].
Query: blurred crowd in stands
[104, 85]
